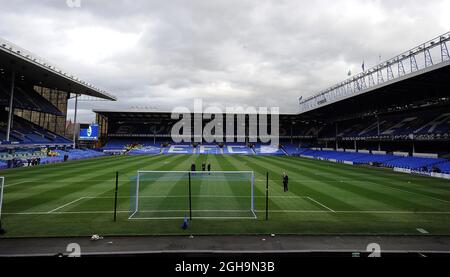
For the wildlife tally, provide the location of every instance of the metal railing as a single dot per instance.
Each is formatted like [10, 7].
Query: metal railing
[425, 55]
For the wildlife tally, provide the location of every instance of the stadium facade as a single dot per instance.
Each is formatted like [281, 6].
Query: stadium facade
[34, 97]
[36, 93]
[399, 109]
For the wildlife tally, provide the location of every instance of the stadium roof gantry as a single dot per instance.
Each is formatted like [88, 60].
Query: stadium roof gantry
[18, 62]
[424, 89]
[140, 114]
[417, 77]
[42, 73]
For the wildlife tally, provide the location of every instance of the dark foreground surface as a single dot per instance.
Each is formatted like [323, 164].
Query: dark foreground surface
[231, 246]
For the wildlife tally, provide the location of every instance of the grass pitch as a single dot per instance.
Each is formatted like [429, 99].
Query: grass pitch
[77, 199]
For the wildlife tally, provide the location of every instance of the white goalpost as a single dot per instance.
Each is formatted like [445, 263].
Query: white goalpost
[193, 194]
[2, 185]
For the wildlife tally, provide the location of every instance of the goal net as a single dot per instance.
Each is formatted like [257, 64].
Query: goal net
[192, 194]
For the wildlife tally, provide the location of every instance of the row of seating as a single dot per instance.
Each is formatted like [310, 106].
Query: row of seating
[72, 154]
[388, 160]
[25, 132]
[425, 125]
[25, 97]
[443, 167]
[136, 147]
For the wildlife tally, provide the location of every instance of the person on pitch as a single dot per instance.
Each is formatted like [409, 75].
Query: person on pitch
[209, 168]
[285, 182]
[193, 167]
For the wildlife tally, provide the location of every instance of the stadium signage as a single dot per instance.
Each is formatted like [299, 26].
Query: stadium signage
[257, 126]
[187, 267]
[88, 132]
[422, 173]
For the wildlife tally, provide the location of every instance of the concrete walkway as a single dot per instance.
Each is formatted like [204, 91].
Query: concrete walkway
[225, 245]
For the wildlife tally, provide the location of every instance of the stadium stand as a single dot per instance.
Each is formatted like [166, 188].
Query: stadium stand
[179, 149]
[46, 156]
[237, 149]
[267, 150]
[443, 167]
[25, 97]
[145, 150]
[28, 133]
[209, 149]
[127, 144]
[388, 160]
[417, 124]
[414, 163]
[397, 126]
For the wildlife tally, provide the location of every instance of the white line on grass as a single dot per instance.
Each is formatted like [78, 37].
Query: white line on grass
[187, 210]
[104, 212]
[196, 217]
[261, 211]
[18, 183]
[359, 212]
[317, 202]
[65, 205]
[58, 213]
[416, 193]
[421, 230]
[183, 196]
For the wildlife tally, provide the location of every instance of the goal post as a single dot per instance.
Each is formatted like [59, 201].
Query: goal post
[2, 185]
[195, 194]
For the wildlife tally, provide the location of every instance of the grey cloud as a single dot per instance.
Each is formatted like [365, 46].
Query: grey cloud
[263, 53]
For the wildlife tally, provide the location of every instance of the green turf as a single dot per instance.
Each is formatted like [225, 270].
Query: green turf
[76, 198]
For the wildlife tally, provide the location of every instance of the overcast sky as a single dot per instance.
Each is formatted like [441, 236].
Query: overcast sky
[160, 54]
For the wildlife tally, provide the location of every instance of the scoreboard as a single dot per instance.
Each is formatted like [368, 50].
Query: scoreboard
[88, 132]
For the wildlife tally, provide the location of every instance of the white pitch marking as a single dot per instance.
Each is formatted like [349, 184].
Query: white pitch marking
[421, 230]
[416, 193]
[163, 211]
[183, 196]
[272, 211]
[196, 217]
[317, 202]
[18, 183]
[65, 205]
[357, 212]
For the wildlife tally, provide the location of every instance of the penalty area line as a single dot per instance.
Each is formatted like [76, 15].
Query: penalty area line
[196, 196]
[18, 183]
[320, 204]
[196, 217]
[65, 205]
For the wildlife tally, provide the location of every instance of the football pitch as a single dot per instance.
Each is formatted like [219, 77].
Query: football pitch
[77, 199]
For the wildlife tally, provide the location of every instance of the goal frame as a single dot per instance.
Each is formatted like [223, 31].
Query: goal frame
[2, 186]
[252, 190]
